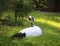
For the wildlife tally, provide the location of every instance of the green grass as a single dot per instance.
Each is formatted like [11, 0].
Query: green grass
[49, 23]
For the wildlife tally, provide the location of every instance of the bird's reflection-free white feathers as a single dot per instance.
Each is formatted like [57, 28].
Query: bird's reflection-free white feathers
[32, 31]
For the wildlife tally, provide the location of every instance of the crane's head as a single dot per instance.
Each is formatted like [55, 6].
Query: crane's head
[32, 20]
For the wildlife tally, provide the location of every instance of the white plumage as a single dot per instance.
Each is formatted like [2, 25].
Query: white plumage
[31, 31]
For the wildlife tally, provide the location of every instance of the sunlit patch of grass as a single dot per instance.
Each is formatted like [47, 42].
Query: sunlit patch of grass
[50, 22]
[53, 33]
[7, 13]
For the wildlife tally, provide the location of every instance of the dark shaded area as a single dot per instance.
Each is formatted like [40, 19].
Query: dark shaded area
[52, 6]
[57, 5]
[7, 21]
[19, 9]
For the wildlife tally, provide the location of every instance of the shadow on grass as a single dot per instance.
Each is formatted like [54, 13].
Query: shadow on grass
[6, 41]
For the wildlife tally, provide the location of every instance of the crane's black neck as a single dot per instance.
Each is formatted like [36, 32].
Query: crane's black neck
[32, 23]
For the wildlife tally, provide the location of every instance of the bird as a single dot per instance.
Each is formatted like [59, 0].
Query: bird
[31, 31]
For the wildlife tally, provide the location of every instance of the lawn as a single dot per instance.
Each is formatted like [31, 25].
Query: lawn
[48, 22]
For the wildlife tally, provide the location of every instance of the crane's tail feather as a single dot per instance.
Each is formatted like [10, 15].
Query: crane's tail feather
[19, 35]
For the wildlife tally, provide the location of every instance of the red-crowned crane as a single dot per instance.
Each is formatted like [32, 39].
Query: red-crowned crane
[32, 31]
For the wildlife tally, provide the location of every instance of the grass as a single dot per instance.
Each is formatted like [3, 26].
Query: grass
[49, 23]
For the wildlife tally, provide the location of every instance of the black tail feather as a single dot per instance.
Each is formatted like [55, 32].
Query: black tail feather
[19, 35]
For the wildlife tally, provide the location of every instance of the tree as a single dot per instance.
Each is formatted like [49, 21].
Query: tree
[19, 8]
[39, 4]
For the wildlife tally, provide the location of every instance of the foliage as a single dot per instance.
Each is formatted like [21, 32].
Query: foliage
[20, 9]
[39, 4]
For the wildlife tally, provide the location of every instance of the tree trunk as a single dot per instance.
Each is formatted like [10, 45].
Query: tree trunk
[16, 18]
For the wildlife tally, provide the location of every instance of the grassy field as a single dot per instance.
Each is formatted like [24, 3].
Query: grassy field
[48, 22]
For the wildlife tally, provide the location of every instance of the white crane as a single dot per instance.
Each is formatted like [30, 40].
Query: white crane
[32, 31]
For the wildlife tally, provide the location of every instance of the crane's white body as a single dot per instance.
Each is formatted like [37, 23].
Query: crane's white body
[31, 31]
